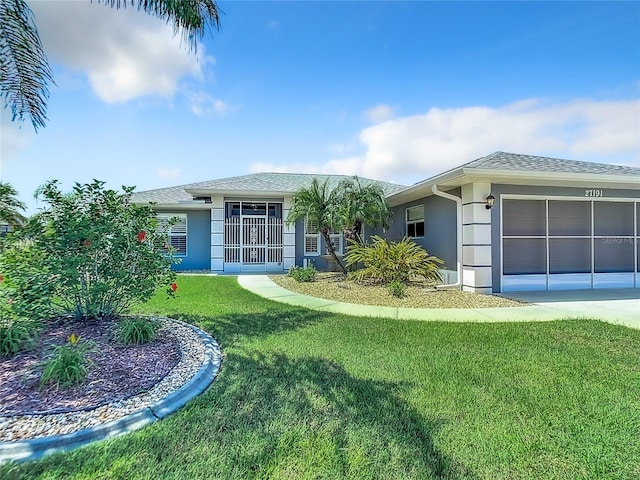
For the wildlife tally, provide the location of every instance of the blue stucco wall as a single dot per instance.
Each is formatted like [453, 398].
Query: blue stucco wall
[198, 241]
[439, 227]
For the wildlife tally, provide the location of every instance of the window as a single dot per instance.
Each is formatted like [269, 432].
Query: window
[337, 241]
[175, 224]
[415, 221]
[311, 238]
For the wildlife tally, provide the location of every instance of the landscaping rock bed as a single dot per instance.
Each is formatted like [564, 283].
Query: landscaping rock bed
[335, 286]
[121, 380]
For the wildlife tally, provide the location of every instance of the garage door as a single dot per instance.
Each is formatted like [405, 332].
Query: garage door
[569, 244]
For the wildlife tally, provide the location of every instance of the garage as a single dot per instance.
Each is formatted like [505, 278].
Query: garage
[559, 243]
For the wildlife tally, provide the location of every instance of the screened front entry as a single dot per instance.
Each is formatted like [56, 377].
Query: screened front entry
[558, 244]
[253, 236]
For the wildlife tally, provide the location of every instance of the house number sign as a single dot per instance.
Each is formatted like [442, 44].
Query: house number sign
[594, 192]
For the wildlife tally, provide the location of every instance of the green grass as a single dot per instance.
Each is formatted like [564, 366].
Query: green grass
[304, 394]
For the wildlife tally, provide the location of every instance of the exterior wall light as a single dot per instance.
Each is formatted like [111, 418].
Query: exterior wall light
[490, 201]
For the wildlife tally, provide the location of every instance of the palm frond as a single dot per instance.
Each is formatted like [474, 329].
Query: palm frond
[24, 71]
[189, 18]
[10, 206]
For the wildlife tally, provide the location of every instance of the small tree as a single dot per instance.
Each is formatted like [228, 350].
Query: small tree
[321, 205]
[101, 252]
[360, 205]
[346, 207]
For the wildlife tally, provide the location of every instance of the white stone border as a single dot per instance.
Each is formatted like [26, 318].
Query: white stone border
[198, 366]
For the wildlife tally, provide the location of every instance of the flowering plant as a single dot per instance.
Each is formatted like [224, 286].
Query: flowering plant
[101, 252]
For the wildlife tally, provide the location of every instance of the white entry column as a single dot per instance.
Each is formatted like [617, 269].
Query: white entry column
[476, 239]
[217, 234]
[289, 237]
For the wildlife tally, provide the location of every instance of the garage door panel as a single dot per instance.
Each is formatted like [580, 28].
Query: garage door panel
[568, 218]
[524, 217]
[613, 254]
[570, 281]
[613, 218]
[613, 280]
[524, 256]
[569, 255]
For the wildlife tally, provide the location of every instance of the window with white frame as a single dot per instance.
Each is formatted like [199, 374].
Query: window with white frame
[415, 221]
[175, 225]
[311, 238]
[337, 242]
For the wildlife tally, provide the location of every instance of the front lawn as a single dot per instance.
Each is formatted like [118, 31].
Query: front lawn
[305, 394]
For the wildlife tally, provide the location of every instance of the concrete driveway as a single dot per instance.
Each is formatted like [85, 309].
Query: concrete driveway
[620, 306]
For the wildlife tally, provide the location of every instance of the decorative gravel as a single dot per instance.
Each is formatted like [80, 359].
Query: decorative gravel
[192, 357]
[332, 286]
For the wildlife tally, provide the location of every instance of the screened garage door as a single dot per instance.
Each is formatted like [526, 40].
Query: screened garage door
[569, 244]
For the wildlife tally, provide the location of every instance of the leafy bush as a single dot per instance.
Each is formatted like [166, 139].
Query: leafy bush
[387, 262]
[99, 252]
[24, 295]
[136, 330]
[15, 336]
[25, 286]
[397, 289]
[303, 274]
[67, 366]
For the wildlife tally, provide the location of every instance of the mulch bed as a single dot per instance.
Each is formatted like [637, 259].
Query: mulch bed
[115, 371]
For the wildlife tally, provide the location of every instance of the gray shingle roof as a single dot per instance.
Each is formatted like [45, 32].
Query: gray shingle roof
[252, 183]
[531, 163]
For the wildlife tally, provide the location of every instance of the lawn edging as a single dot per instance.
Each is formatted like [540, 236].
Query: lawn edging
[27, 450]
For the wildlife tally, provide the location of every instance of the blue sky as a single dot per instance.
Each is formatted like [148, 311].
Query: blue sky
[389, 90]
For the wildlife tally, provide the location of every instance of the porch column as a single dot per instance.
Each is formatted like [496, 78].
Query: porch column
[217, 234]
[289, 237]
[476, 239]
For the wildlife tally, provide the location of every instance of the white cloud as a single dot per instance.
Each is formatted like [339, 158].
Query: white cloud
[379, 113]
[169, 173]
[413, 148]
[12, 137]
[203, 104]
[125, 53]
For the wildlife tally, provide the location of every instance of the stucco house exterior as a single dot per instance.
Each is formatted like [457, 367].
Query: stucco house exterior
[237, 224]
[552, 223]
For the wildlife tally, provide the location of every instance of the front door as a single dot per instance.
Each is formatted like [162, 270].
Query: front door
[253, 236]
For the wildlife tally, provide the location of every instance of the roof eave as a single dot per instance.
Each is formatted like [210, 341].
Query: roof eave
[207, 192]
[177, 205]
[462, 176]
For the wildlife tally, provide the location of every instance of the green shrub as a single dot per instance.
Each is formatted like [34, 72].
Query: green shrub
[136, 330]
[386, 261]
[397, 289]
[303, 274]
[67, 366]
[26, 285]
[15, 336]
[100, 253]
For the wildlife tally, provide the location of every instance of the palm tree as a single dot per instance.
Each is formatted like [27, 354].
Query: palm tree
[10, 206]
[319, 204]
[25, 73]
[346, 208]
[360, 205]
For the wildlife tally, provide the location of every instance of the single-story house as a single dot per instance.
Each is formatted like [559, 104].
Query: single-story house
[504, 222]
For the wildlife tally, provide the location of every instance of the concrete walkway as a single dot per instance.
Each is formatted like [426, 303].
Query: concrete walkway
[621, 307]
